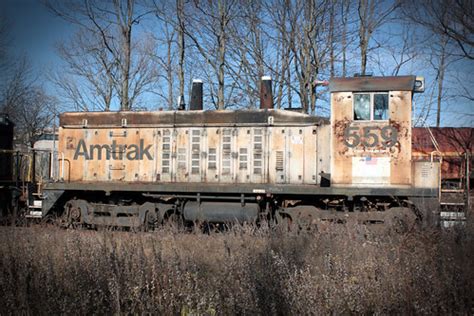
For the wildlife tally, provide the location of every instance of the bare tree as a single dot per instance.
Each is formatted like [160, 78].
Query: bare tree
[371, 16]
[89, 82]
[27, 104]
[283, 21]
[247, 44]
[453, 18]
[171, 25]
[440, 66]
[111, 25]
[165, 57]
[450, 26]
[311, 49]
[4, 43]
[394, 55]
[210, 23]
[35, 112]
[181, 45]
[345, 12]
[464, 89]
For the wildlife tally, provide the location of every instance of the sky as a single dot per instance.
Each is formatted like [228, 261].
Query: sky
[35, 32]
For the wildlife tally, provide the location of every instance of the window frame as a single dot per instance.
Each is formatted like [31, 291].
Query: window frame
[372, 106]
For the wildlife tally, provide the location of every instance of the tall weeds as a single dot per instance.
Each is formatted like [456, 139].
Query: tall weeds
[335, 270]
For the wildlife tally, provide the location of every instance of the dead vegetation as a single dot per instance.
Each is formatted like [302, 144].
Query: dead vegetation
[337, 270]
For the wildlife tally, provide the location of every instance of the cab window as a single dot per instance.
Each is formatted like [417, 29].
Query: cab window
[371, 106]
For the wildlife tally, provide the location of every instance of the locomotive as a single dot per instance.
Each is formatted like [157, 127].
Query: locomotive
[142, 169]
[22, 173]
[8, 184]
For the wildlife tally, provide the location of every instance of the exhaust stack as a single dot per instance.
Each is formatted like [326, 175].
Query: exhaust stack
[266, 96]
[196, 96]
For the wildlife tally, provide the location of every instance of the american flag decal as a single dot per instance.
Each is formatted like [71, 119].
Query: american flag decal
[370, 161]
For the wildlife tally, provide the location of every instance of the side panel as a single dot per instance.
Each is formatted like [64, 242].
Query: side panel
[400, 119]
[310, 155]
[67, 144]
[114, 154]
[259, 154]
[166, 149]
[341, 118]
[226, 146]
[180, 156]
[195, 146]
[213, 153]
[323, 158]
[225, 154]
[296, 152]
[242, 153]
[277, 155]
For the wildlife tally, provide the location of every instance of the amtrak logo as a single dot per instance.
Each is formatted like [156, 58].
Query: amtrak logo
[113, 151]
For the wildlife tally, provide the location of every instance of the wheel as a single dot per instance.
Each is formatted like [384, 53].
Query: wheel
[72, 216]
[149, 221]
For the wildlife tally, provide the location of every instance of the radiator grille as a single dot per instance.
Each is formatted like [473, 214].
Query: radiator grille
[279, 161]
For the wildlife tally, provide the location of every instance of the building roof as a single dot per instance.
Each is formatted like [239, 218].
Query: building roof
[450, 139]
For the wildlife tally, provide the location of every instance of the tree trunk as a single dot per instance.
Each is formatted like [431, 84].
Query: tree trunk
[331, 38]
[344, 16]
[366, 28]
[221, 55]
[125, 23]
[441, 71]
[181, 46]
[169, 74]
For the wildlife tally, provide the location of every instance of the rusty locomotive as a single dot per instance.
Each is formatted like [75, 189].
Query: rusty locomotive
[140, 169]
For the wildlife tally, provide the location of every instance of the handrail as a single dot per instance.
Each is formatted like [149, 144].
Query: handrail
[62, 166]
[439, 170]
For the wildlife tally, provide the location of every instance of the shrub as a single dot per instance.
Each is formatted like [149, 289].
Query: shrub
[335, 270]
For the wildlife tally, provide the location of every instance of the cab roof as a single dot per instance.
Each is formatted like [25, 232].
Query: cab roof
[372, 84]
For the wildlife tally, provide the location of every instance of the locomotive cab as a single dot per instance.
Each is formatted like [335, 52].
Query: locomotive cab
[371, 133]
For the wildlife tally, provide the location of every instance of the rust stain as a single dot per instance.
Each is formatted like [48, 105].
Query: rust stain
[394, 124]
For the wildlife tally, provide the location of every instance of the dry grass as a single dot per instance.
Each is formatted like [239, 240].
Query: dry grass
[244, 271]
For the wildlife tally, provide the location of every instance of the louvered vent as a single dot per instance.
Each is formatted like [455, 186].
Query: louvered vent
[257, 152]
[279, 161]
[226, 150]
[195, 151]
[166, 152]
[182, 158]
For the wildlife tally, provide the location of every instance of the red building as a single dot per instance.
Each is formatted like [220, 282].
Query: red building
[452, 143]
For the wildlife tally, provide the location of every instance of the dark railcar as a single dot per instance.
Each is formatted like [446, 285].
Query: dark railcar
[7, 182]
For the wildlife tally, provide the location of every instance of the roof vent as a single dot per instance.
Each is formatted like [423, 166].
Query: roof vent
[266, 96]
[196, 96]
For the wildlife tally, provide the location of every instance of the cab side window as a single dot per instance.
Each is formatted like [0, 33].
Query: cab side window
[371, 106]
[362, 107]
[380, 106]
